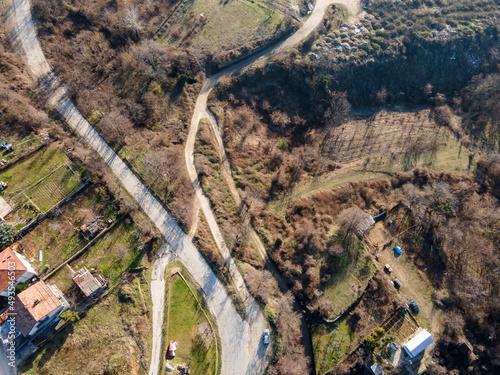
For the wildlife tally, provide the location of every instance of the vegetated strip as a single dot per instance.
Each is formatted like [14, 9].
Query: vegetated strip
[206, 317]
[22, 156]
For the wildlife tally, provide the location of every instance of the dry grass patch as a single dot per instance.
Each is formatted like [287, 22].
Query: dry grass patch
[113, 337]
[225, 25]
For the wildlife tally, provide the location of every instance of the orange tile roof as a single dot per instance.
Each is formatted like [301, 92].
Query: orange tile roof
[6, 257]
[34, 304]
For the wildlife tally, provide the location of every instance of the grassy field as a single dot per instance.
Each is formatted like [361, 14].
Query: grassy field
[224, 207]
[30, 199]
[331, 343]
[347, 285]
[380, 145]
[21, 145]
[225, 26]
[415, 286]
[112, 338]
[114, 253]
[187, 325]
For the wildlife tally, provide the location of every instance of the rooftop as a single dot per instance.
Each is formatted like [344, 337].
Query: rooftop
[418, 344]
[34, 304]
[7, 257]
[87, 283]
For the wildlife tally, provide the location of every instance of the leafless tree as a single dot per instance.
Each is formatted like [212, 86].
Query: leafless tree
[349, 218]
[131, 21]
[152, 59]
[115, 127]
[261, 284]
[162, 171]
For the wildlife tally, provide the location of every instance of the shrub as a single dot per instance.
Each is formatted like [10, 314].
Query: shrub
[283, 145]
[6, 234]
[70, 316]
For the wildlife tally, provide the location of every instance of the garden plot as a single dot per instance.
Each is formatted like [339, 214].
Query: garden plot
[53, 188]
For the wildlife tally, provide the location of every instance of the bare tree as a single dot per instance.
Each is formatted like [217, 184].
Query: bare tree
[131, 21]
[261, 284]
[115, 127]
[152, 59]
[162, 171]
[349, 218]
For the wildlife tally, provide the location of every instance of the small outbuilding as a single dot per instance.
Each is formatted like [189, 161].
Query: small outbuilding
[172, 348]
[418, 344]
[364, 226]
[398, 250]
[88, 283]
[397, 284]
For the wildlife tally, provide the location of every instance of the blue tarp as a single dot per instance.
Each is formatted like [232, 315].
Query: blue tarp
[398, 250]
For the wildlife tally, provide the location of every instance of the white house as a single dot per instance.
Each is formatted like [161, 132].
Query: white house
[13, 265]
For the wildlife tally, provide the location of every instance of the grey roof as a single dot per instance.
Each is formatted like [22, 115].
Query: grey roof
[87, 283]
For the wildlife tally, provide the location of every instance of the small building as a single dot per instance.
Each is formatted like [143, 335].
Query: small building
[364, 226]
[418, 344]
[387, 268]
[12, 262]
[398, 250]
[88, 283]
[397, 284]
[373, 367]
[376, 369]
[172, 348]
[92, 229]
[37, 307]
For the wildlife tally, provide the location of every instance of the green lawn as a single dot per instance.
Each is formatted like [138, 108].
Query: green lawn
[54, 188]
[187, 325]
[331, 342]
[347, 285]
[21, 146]
[117, 251]
[59, 237]
[28, 172]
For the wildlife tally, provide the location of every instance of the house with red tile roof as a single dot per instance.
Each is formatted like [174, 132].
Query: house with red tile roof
[37, 307]
[13, 268]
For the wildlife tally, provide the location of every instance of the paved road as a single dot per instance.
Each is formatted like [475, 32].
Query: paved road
[241, 352]
[201, 111]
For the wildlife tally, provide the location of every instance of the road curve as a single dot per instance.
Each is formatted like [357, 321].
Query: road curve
[241, 353]
[201, 111]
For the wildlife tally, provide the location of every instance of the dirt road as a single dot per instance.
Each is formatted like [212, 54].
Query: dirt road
[201, 111]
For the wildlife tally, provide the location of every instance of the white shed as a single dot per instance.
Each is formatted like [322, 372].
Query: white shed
[418, 344]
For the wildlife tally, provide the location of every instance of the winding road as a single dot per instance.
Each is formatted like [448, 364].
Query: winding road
[242, 349]
[201, 111]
